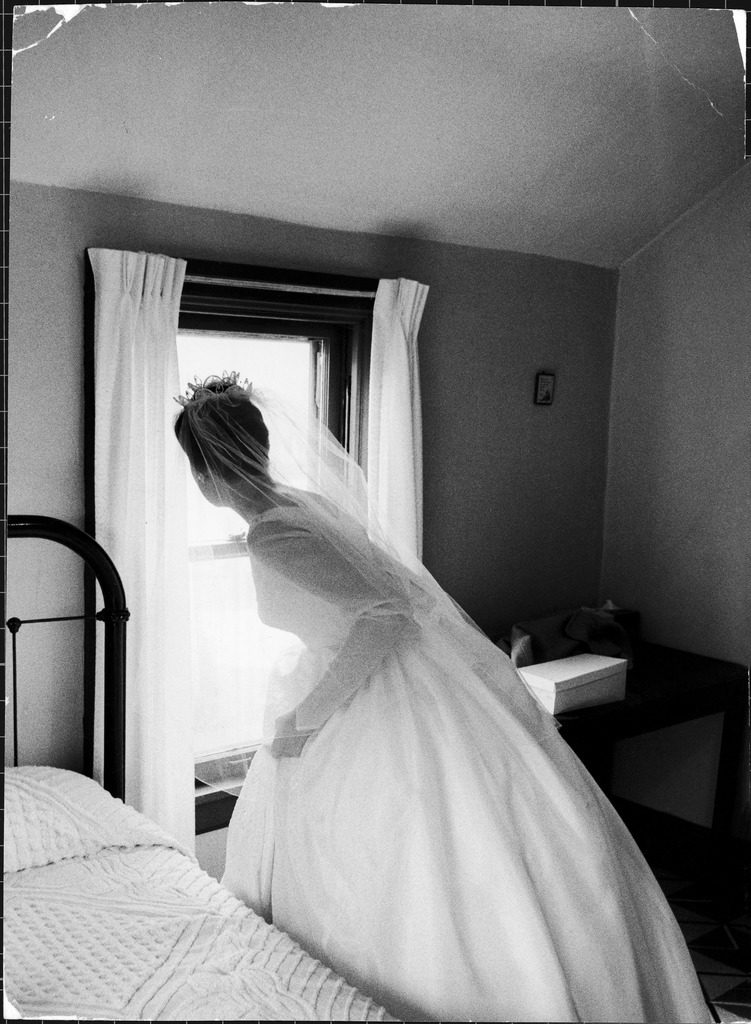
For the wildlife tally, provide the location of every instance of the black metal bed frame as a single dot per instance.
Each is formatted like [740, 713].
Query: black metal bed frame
[114, 615]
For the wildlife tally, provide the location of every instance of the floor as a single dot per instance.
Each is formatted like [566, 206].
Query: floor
[710, 893]
[717, 928]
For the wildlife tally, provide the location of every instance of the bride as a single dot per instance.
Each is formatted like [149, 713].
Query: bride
[414, 819]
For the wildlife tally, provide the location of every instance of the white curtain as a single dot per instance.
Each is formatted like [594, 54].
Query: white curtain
[394, 415]
[140, 498]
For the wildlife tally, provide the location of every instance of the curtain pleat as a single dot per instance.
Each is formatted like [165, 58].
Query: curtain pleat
[394, 435]
[141, 520]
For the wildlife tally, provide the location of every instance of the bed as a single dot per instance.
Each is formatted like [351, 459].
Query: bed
[107, 917]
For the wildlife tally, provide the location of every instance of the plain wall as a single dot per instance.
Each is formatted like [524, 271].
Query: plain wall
[677, 535]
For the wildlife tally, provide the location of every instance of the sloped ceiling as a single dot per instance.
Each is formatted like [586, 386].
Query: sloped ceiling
[578, 133]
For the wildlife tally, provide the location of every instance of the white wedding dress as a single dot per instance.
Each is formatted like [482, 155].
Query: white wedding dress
[436, 842]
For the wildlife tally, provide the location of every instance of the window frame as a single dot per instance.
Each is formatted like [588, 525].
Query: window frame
[243, 298]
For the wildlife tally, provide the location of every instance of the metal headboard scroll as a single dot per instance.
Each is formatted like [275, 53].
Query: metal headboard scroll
[114, 615]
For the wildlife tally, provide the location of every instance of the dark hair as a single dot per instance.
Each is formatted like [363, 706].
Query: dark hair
[235, 423]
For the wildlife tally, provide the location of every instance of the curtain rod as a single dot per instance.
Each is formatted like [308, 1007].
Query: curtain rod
[277, 286]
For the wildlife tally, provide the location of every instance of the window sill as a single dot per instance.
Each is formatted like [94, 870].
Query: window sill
[232, 547]
[214, 807]
[213, 810]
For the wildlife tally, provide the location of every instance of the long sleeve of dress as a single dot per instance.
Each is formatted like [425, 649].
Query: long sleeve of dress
[304, 582]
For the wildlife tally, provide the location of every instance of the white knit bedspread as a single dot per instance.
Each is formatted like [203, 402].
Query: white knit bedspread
[106, 917]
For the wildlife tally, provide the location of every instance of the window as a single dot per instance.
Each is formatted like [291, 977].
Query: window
[306, 335]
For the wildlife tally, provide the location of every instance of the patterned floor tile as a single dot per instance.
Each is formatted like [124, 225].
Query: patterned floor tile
[709, 965]
[719, 987]
[695, 931]
[733, 1014]
[684, 915]
[729, 945]
[740, 995]
[709, 897]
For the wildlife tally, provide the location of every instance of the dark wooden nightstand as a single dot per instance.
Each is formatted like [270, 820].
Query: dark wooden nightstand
[666, 687]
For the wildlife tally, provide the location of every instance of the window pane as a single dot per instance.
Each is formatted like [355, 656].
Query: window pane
[283, 365]
[232, 651]
[232, 655]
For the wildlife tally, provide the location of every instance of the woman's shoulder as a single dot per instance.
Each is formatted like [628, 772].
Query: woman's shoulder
[298, 515]
[291, 510]
[290, 502]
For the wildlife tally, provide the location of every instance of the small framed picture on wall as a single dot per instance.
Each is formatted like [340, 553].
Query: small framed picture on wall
[544, 388]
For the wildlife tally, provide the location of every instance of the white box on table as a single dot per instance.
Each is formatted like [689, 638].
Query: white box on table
[580, 681]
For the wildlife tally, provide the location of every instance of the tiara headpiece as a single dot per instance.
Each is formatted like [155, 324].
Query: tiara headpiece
[199, 391]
